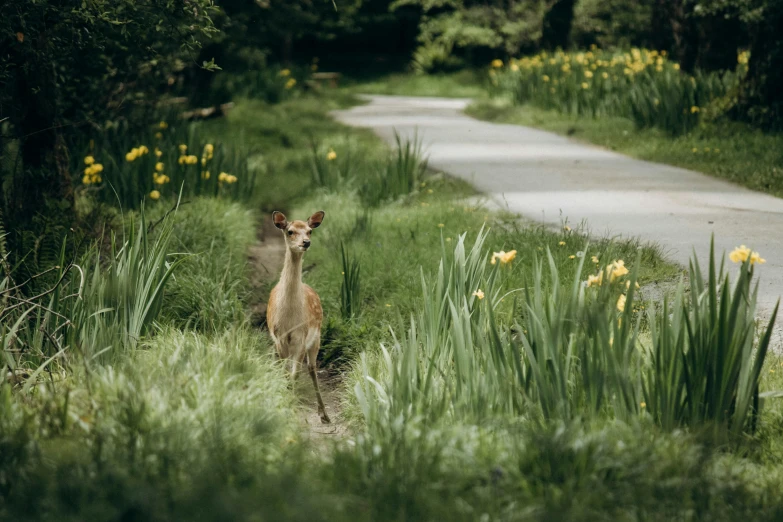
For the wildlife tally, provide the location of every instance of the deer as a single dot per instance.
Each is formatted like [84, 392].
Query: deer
[294, 312]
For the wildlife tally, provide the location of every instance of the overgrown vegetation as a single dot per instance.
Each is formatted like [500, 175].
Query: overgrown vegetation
[523, 377]
[642, 86]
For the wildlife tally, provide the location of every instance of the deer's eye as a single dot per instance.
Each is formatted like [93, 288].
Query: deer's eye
[290, 232]
[309, 232]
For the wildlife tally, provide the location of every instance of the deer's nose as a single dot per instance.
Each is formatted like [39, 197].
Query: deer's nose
[306, 243]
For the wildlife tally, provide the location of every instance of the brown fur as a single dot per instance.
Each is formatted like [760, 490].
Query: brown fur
[294, 312]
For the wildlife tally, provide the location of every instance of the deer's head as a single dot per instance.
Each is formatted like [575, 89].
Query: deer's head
[297, 233]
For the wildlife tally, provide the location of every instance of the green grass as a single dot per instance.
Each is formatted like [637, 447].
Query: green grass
[726, 150]
[463, 84]
[195, 420]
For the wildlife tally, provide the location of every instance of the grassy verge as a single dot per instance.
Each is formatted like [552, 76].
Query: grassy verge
[726, 150]
[463, 84]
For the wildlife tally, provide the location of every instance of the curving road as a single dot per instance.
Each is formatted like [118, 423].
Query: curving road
[548, 177]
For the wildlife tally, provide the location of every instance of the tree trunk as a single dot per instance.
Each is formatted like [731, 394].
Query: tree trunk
[42, 174]
[761, 96]
[557, 25]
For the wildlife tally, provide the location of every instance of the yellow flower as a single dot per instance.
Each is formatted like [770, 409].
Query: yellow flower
[89, 160]
[479, 294]
[594, 259]
[572, 257]
[86, 180]
[628, 285]
[163, 125]
[160, 179]
[694, 149]
[604, 75]
[504, 257]
[567, 228]
[209, 149]
[694, 109]
[643, 404]
[441, 225]
[183, 149]
[222, 176]
[514, 67]
[616, 269]
[205, 174]
[562, 243]
[154, 194]
[187, 160]
[621, 303]
[143, 150]
[595, 280]
[159, 166]
[585, 85]
[742, 253]
[331, 155]
[158, 135]
[285, 72]
[290, 83]
[545, 78]
[158, 152]
[497, 63]
[588, 74]
[132, 155]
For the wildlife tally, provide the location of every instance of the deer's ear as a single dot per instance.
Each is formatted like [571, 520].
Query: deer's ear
[280, 221]
[316, 219]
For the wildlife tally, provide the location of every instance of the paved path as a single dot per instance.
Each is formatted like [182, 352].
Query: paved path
[540, 175]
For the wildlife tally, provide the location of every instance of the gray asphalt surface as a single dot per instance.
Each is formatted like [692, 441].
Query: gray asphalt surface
[547, 177]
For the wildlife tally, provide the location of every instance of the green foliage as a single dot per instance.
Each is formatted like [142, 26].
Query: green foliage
[168, 431]
[105, 303]
[401, 174]
[642, 86]
[575, 352]
[350, 290]
[612, 24]
[168, 159]
[451, 31]
[209, 292]
[707, 362]
[69, 63]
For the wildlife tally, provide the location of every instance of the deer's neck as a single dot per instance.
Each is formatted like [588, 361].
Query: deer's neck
[291, 279]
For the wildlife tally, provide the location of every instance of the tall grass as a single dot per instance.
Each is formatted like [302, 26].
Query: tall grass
[641, 85]
[108, 301]
[572, 352]
[162, 160]
[399, 175]
[350, 289]
[706, 361]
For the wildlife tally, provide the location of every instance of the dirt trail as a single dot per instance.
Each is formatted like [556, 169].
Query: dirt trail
[266, 257]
